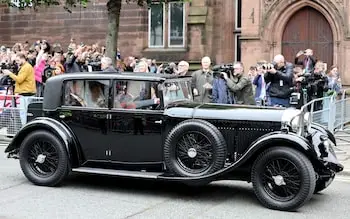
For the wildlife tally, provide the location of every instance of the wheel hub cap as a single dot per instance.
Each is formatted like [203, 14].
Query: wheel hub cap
[192, 152]
[41, 158]
[279, 180]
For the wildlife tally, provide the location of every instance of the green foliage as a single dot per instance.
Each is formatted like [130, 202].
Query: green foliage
[68, 4]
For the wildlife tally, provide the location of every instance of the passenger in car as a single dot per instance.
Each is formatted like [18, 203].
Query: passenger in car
[97, 98]
[74, 98]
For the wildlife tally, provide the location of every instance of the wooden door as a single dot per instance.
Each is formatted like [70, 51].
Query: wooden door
[308, 28]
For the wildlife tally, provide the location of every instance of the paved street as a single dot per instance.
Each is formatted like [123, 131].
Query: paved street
[85, 196]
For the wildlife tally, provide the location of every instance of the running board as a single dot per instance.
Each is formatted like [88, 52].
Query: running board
[111, 172]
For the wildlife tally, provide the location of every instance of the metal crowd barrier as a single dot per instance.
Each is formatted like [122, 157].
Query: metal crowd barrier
[13, 113]
[332, 112]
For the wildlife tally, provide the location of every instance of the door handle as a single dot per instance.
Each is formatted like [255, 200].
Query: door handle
[158, 122]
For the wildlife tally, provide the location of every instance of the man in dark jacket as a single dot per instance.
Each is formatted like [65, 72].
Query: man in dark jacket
[280, 77]
[308, 62]
[240, 85]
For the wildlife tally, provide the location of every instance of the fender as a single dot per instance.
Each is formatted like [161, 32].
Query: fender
[324, 131]
[54, 127]
[271, 139]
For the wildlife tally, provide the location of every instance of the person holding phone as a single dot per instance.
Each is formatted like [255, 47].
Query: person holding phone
[308, 62]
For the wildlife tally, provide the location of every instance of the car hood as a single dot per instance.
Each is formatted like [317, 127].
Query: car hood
[230, 112]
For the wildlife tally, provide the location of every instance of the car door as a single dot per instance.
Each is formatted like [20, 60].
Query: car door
[85, 111]
[135, 125]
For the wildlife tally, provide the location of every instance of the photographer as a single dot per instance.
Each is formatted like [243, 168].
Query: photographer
[240, 85]
[308, 62]
[24, 83]
[259, 82]
[221, 93]
[280, 76]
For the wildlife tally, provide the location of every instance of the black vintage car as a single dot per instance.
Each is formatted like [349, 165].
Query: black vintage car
[147, 126]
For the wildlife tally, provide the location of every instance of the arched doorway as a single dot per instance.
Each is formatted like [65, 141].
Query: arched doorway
[308, 28]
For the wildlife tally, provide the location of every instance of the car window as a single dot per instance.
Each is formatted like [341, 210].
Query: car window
[135, 95]
[176, 90]
[86, 93]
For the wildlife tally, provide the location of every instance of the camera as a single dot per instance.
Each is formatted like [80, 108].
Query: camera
[227, 68]
[268, 66]
[93, 63]
[168, 68]
[47, 73]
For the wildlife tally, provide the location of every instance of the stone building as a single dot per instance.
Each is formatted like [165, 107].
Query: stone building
[270, 27]
[225, 30]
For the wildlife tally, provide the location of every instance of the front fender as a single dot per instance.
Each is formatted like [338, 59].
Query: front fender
[269, 140]
[53, 126]
[283, 139]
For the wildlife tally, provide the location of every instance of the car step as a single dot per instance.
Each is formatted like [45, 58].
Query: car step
[111, 172]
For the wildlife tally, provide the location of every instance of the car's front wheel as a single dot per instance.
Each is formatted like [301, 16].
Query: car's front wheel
[43, 159]
[283, 178]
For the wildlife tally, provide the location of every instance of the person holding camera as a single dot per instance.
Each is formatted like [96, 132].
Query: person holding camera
[24, 83]
[240, 85]
[259, 82]
[280, 76]
[308, 62]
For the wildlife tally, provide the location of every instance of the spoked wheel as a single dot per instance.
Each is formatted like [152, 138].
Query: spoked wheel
[43, 159]
[194, 148]
[283, 178]
[194, 152]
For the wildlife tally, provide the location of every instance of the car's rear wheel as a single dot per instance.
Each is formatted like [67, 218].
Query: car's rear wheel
[43, 159]
[283, 178]
[194, 148]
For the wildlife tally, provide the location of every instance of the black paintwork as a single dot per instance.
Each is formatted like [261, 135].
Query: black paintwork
[133, 139]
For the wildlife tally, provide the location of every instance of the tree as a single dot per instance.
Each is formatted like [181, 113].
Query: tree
[113, 14]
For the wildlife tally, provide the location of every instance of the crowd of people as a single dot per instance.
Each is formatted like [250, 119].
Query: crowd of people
[264, 84]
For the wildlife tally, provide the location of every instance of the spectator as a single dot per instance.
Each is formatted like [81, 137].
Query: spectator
[221, 93]
[308, 62]
[259, 82]
[281, 78]
[334, 81]
[25, 83]
[107, 65]
[240, 85]
[182, 68]
[202, 81]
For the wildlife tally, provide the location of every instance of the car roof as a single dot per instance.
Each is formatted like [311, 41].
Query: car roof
[54, 84]
[113, 75]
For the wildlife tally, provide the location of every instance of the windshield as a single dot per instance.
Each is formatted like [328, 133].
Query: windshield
[177, 90]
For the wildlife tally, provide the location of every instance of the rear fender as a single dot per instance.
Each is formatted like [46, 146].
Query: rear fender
[54, 127]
